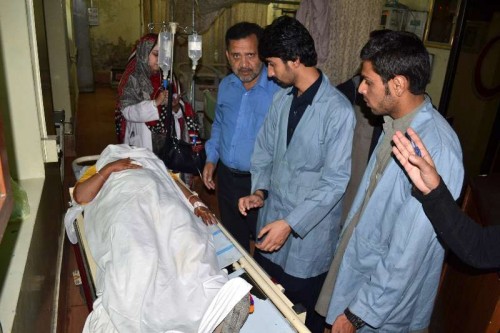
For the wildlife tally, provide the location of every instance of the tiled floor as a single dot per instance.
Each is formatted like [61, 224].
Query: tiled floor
[75, 309]
[94, 126]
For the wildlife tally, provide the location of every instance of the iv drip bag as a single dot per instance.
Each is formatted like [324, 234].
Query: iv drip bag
[165, 52]
[194, 48]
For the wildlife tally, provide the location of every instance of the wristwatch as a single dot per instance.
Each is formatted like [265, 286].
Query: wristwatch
[355, 320]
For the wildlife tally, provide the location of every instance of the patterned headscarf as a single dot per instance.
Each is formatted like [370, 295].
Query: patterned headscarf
[138, 83]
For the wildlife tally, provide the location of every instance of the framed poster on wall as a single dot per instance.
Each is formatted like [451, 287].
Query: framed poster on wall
[441, 24]
[415, 22]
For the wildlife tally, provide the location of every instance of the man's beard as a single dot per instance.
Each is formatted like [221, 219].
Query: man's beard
[281, 83]
[249, 75]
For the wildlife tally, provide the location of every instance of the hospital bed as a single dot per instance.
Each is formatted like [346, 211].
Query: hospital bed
[274, 313]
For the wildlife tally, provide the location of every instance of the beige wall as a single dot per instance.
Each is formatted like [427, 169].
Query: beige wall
[439, 66]
[22, 97]
[422, 5]
[72, 55]
[120, 26]
[58, 56]
[29, 249]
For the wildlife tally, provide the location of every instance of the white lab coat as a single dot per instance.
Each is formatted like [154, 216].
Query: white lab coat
[137, 132]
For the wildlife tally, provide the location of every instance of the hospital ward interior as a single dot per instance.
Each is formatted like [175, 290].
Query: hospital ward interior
[61, 66]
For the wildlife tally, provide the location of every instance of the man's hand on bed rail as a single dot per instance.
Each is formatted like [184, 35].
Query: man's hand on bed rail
[85, 191]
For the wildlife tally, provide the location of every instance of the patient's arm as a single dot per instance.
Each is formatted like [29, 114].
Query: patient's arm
[202, 210]
[85, 191]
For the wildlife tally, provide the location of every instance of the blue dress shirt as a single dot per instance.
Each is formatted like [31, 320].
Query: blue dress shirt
[239, 114]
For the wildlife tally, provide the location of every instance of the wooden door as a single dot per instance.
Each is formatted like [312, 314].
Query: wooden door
[468, 299]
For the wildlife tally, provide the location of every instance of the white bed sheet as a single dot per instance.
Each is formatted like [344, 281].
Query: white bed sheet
[156, 265]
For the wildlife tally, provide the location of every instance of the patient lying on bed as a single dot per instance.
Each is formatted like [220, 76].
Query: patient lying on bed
[157, 267]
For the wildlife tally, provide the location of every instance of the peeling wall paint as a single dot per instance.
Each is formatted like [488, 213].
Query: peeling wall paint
[108, 54]
[120, 26]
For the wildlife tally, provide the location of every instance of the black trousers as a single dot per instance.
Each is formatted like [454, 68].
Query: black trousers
[303, 291]
[231, 186]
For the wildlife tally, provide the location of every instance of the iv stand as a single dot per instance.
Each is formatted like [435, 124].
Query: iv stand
[173, 29]
[192, 88]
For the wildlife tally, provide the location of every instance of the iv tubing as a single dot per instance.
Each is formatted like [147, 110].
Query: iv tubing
[173, 28]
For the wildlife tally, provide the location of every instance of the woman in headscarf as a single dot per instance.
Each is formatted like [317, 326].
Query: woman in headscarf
[141, 111]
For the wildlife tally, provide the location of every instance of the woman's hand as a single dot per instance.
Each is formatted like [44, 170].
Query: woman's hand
[200, 209]
[119, 165]
[161, 98]
[87, 190]
[206, 215]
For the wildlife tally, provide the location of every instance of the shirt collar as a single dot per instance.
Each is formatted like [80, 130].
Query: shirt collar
[307, 96]
[401, 124]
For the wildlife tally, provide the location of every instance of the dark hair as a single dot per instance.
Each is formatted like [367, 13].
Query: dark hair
[243, 30]
[398, 53]
[287, 39]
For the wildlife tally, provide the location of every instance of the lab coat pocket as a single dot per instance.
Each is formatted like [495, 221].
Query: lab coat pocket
[315, 149]
[295, 193]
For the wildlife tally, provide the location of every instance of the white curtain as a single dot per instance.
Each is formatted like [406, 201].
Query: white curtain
[214, 47]
[349, 24]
